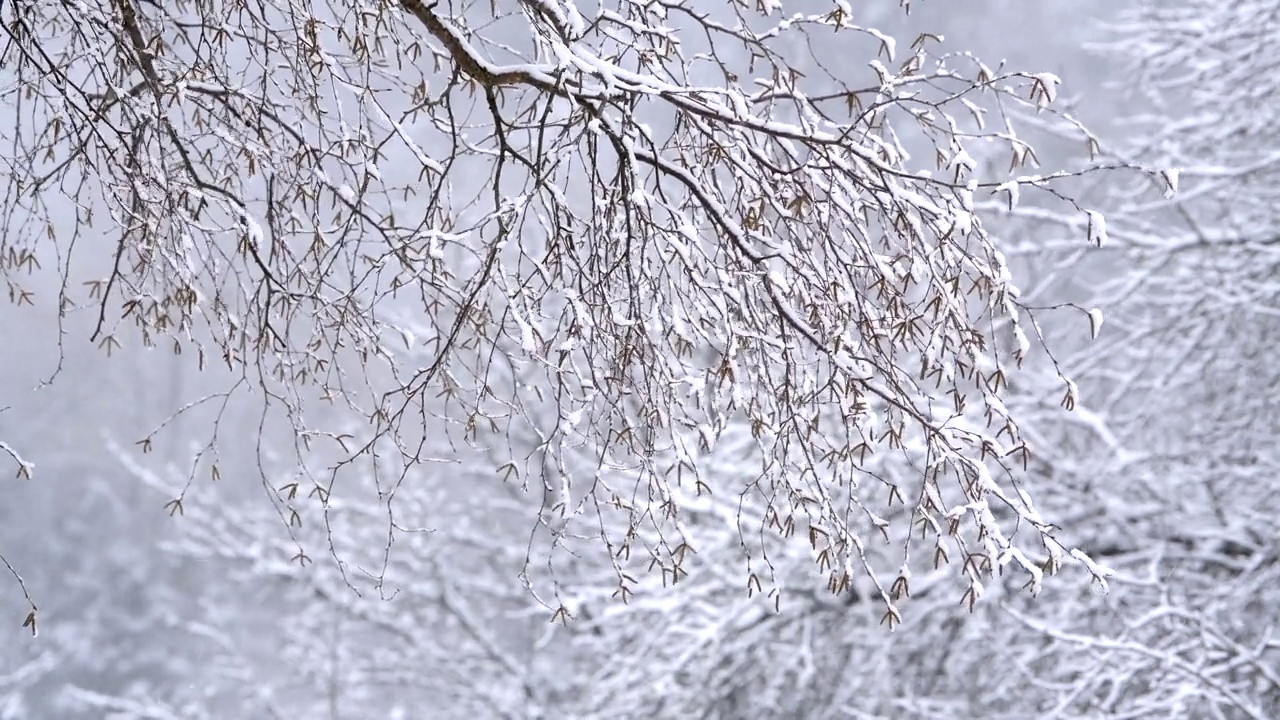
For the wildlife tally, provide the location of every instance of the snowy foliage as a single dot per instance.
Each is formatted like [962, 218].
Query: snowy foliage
[650, 358]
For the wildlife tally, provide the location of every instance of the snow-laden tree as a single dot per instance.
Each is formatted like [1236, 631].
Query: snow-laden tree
[438, 623]
[1167, 465]
[587, 243]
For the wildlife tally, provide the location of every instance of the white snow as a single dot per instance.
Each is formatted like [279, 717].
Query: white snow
[1097, 228]
[1095, 322]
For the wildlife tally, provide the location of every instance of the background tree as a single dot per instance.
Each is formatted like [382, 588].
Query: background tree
[1168, 465]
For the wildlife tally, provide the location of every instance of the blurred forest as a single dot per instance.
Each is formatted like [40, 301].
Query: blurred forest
[1163, 469]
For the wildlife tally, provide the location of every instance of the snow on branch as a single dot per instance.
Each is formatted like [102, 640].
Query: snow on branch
[594, 245]
[25, 468]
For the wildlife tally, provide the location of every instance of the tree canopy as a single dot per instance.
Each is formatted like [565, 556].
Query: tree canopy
[727, 336]
[617, 237]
